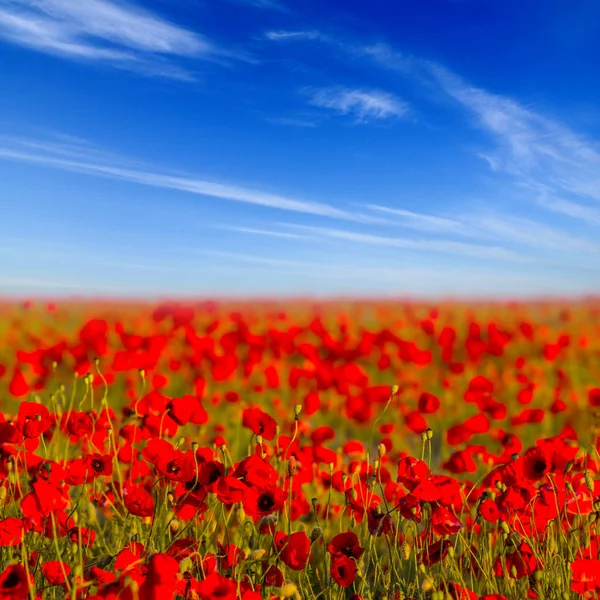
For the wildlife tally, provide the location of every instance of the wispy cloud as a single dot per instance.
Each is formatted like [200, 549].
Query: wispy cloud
[193, 185]
[422, 222]
[283, 34]
[291, 121]
[262, 232]
[545, 157]
[117, 33]
[364, 105]
[571, 209]
[496, 226]
[422, 245]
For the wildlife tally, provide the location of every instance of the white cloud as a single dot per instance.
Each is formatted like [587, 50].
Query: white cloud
[571, 209]
[544, 156]
[284, 35]
[500, 227]
[193, 185]
[364, 105]
[422, 245]
[117, 33]
[291, 121]
[423, 222]
[261, 232]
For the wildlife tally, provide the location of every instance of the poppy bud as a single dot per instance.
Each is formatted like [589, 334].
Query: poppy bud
[568, 467]
[195, 446]
[142, 373]
[316, 533]
[257, 554]
[240, 513]
[504, 526]
[423, 437]
[589, 481]
[513, 571]
[395, 389]
[175, 526]
[381, 450]
[429, 433]
[297, 409]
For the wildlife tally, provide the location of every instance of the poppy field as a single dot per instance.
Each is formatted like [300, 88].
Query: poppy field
[340, 450]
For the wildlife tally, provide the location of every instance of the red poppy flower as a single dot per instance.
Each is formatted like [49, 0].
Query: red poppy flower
[519, 563]
[428, 403]
[217, 587]
[259, 422]
[263, 502]
[415, 476]
[56, 572]
[138, 501]
[161, 578]
[444, 522]
[586, 576]
[18, 385]
[343, 570]
[33, 419]
[129, 556]
[294, 550]
[346, 544]
[14, 583]
[434, 553]
[11, 532]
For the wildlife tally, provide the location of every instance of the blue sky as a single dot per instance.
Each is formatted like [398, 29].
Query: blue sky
[259, 147]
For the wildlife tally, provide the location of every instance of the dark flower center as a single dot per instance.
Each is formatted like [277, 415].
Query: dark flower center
[12, 581]
[173, 467]
[266, 502]
[97, 465]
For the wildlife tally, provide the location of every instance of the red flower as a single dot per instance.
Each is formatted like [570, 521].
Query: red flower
[129, 556]
[428, 403]
[161, 578]
[294, 550]
[263, 502]
[522, 559]
[415, 476]
[14, 583]
[138, 501]
[536, 464]
[18, 385]
[259, 422]
[11, 532]
[346, 544]
[343, 570]
[217, 587]
[586, 576]
[594, 397]
[33, 419]
[435, 552]
[56, 572]
[444, 522]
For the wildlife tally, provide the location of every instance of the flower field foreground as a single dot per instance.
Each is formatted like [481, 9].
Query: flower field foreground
[344, 451]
